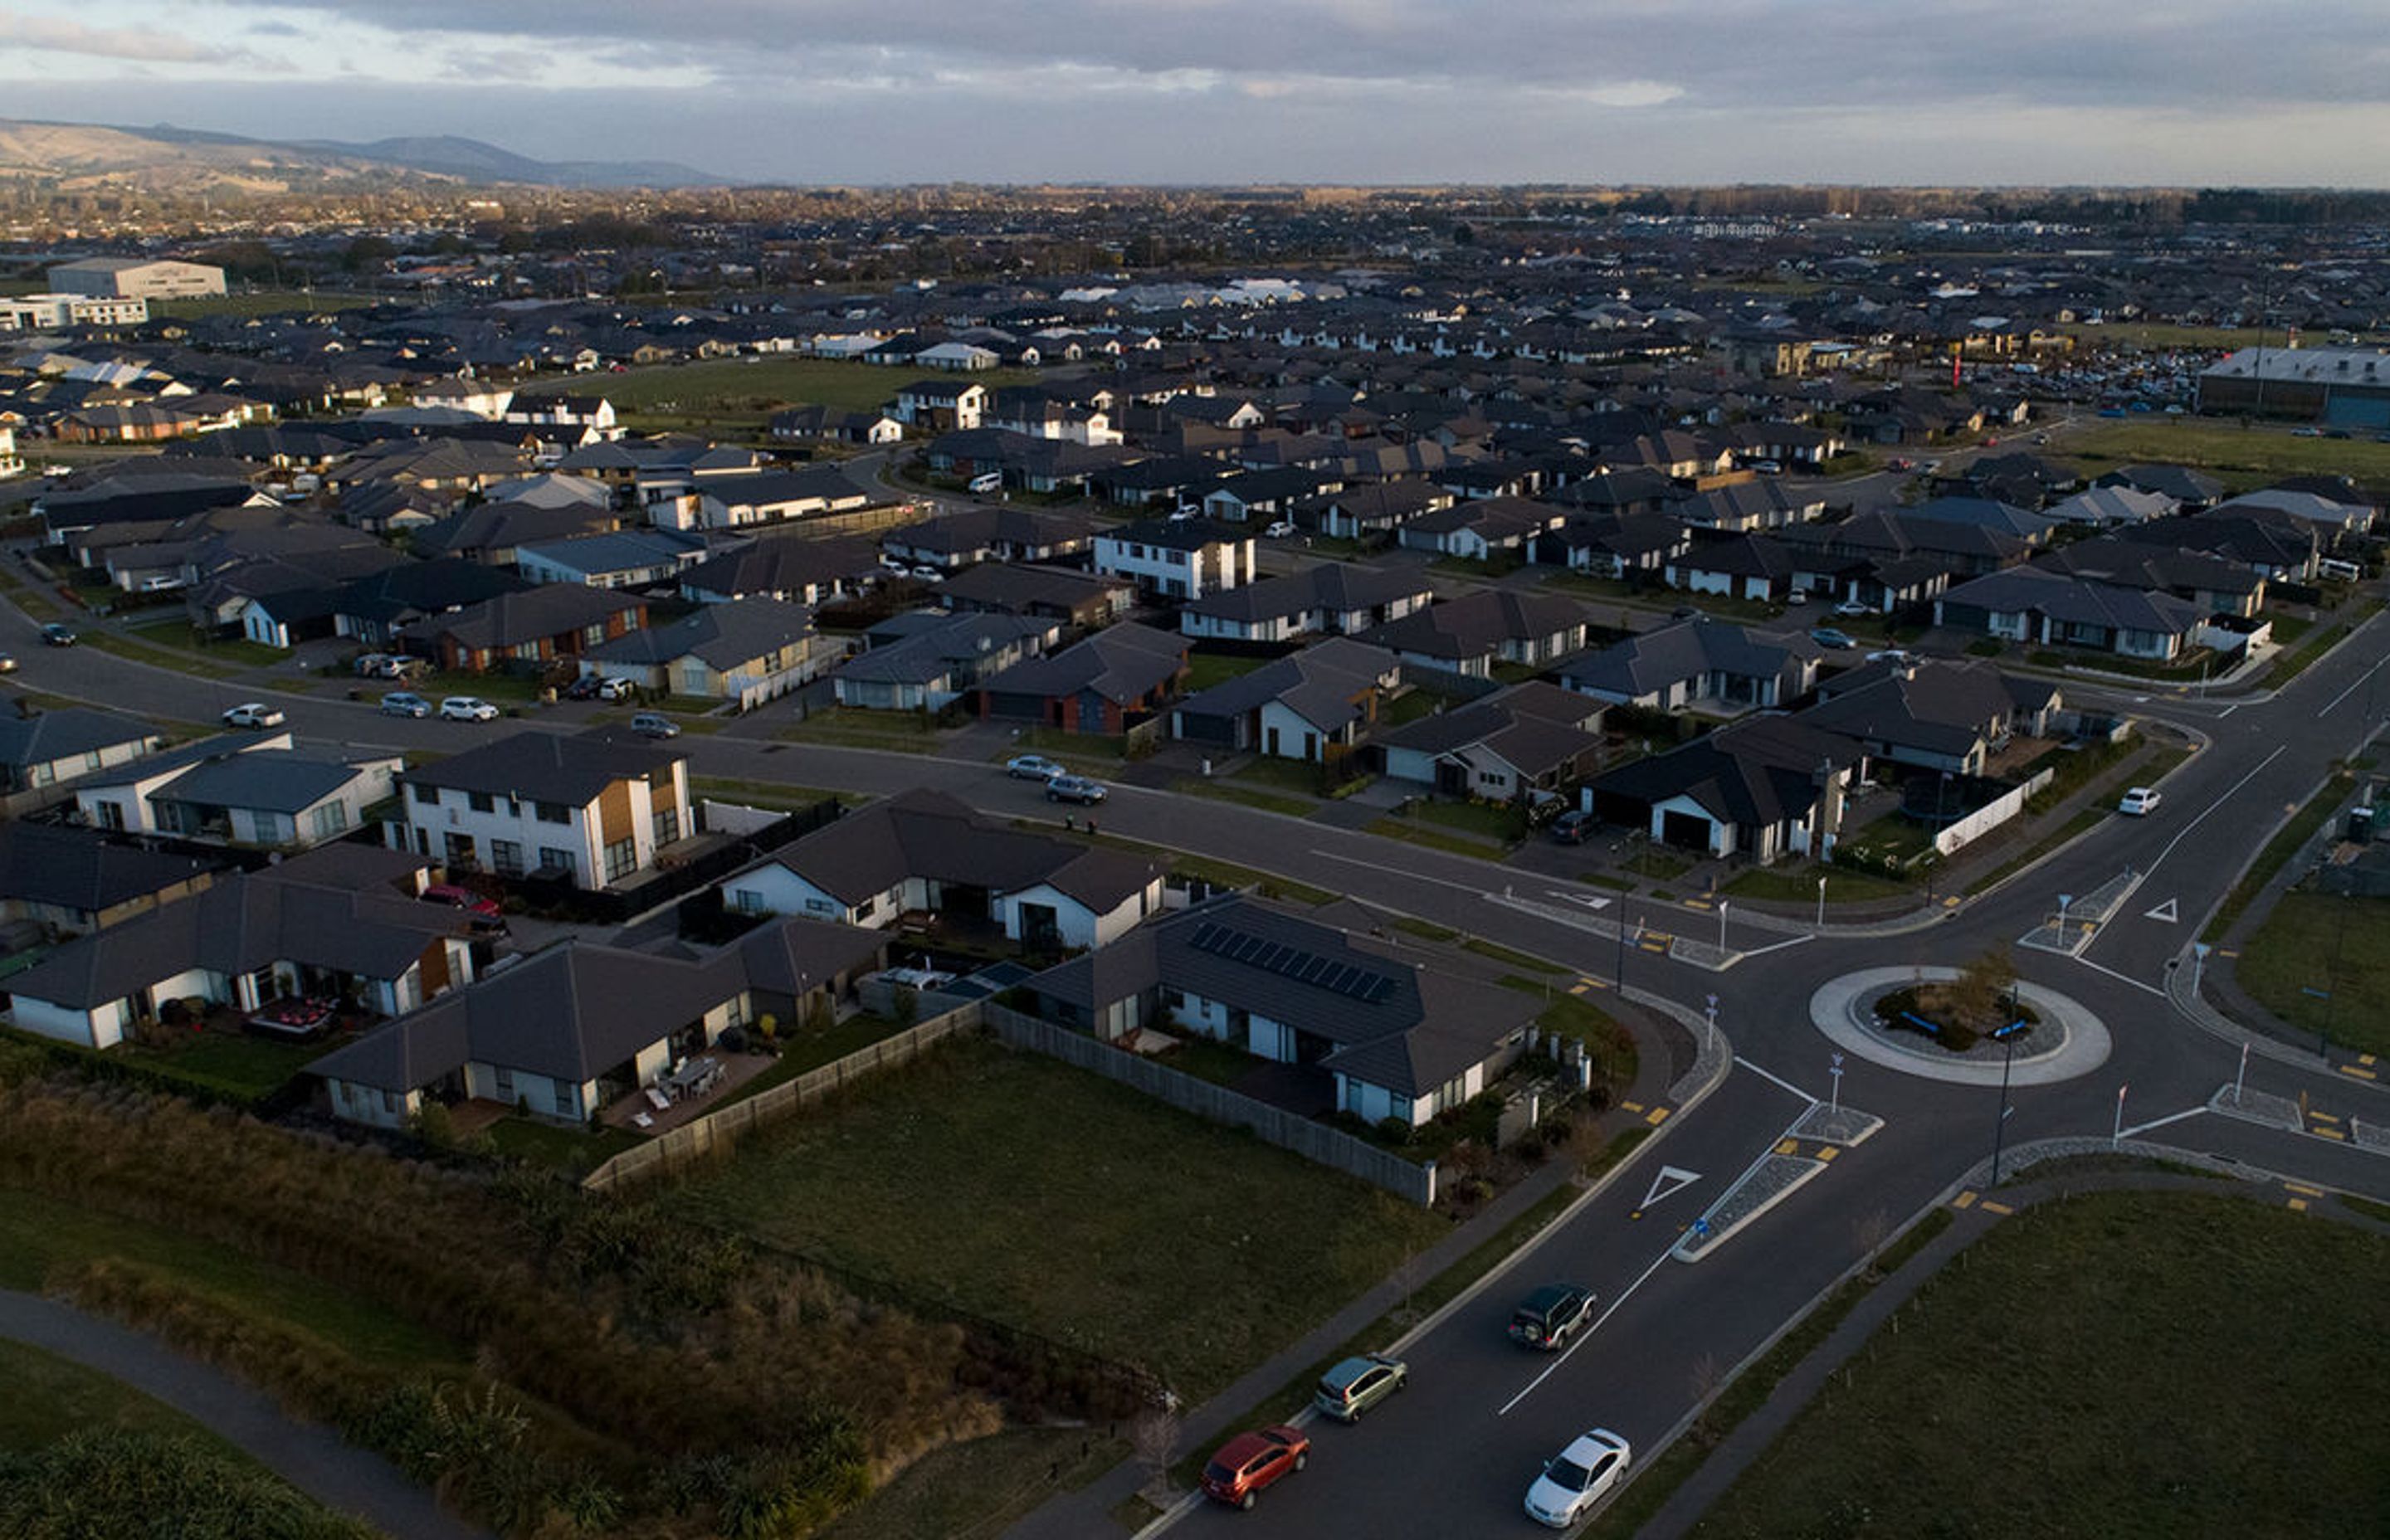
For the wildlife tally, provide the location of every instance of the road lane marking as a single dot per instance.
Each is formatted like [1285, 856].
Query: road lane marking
[2326, 1117]
[1587, 1334]
[1752, 952]
[2359, 1073]
[2229, 792]
[2303, 1189]
[1964, 1200]
[2121, 977]
[1778, 1079]
[2344, 695]
[2141, 1128]
[2165, 913]
[2329, 1133]
[1990, 1207]
[1668, 1184]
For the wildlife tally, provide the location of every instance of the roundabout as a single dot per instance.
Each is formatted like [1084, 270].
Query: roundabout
[2069, 1041]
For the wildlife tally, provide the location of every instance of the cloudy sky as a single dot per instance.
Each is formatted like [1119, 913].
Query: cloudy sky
[876, 91]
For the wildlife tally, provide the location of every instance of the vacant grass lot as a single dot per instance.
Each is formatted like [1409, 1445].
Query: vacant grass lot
[2256, 454]
[2322, 941]
[1016, 1188]
[2121, 1365]
[277, 302]
[750, 390]
[1799, 885]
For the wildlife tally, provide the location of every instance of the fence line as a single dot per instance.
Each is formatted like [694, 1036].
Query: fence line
[1313, 1141]
[718, 1132]
[1992, 814]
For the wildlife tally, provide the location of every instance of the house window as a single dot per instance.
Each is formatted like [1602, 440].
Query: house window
[480, 801]
[389, 1102]
[558, 860]
[551, 812]
[667, 825]
[330, 819]
[735, 1013]
[747, 901]
[506, 857]
[622, 859]
[868, 907]
[427, 795]
[503, 1079]
[527, 650]
[593, 634]
[568, 1098]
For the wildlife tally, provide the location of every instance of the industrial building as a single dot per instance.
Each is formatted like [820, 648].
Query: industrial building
[137, 278]
[2343, 387]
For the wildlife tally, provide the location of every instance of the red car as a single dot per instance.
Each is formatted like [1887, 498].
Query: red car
[455, 897]
[1251, 1461]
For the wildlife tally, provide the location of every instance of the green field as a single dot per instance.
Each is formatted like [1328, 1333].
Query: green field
[279, 301]
[2124, 1365]
[746, 391]
[1017, 1188]
[2243, 456]
[2337, 944]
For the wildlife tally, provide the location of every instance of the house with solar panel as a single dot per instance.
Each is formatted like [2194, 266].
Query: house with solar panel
[1357, 1019]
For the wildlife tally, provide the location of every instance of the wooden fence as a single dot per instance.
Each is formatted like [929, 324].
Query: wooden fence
[1313, 1141]
[718, 1133]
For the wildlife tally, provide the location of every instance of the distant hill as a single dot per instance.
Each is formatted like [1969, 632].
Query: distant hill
[166, 158]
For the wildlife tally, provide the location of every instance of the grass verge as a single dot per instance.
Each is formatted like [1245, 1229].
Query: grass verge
[2126, 1347]
[2335, 943]
[2285, 843]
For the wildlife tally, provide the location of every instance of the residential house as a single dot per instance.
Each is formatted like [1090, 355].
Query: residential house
[1700, 661]
[375, 608]
[44, 749]
[1077, 599]
[741, 502]
[1375, 510]
[1532, 737]
[921, 661]
[922, 852]
[986, 533]
[1107, 683]
[526, 631]
[1333, 598]
[1754, 566]
[1176, 558]
[588, 811]
[795, 569]
[829, 425]
[72, 880]
[1470, 634]
[621, 559]
[1624, 547]
[574, 1026]
[246, 790]
[1941, 715]
[941, 405]
[2038, 607]
[2216, 587]
[1761, 789]
[1315, 705]
[747, 651]
[1482, 530]
[1391, 1031]
[2111, 504]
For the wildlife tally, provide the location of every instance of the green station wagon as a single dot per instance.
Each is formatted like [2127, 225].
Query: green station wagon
[1358, 1385]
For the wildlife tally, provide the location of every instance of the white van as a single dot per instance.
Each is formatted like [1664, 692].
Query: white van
[2345, 571]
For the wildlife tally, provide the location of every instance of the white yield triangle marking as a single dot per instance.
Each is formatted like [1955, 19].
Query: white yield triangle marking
[1672, 1179]
[2164, 911]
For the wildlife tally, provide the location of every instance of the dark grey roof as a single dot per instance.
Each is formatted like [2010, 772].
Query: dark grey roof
[1688, 649]
[65, 733]
[271, 780]
[1323, 684]
[1338, 586]
[546, 766]
[1121, 664]
[723, 635]
[1935, 706]
[2077, 600]
[1757, 773]
[511, 619]
[919, 833]
[79, 868]
[1479, 622]
[928, 648]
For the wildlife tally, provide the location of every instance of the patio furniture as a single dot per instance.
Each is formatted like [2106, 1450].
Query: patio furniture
[641, 1120]
[659, 1100]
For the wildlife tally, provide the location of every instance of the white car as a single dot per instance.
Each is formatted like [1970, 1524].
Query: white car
[1033, 767]
[2138, 801]
[1280, 530]
[254, 713]
[467, 707]
[1577, 1478]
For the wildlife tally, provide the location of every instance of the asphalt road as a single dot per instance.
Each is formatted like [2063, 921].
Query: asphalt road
[1455, 1454]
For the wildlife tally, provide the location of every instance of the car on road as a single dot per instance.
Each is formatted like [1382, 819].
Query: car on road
[8, 663]
[1358, 1385]
[1278, 530]
[404, 703]
[1839, 641]
[2138, 801]
[2306, 433]
[1251, 1461]
[55, 634]
[1074, 789]
[1033, 767]
[654, 724]
[1574, 826]
[254, 713]
[1575, 1481]
[1551, 1316]
[467, 707]
[1684, 612]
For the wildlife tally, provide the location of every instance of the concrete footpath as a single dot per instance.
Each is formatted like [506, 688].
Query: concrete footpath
[1077, 1515]
[346, 1480]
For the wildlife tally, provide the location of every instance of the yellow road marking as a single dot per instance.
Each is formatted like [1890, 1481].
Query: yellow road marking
[1631, 1106]
[2299, 1205]
[1789, 1146]
[1965, 1200]
[1990, 1207]
[1579, 987]
[1659, 1115]
[2303, 1188]
[1827, 1152]
[2227, 952]
[1697, 904]
[2329, 1133]
[2365, 1058]
[2325, 1117]
[2361, 1074]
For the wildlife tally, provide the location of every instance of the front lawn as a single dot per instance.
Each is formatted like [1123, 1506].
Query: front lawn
[1014, 1186]
[2129, 1366]
[222, 1061]
[1207, 669]
[854, 727]
[2337, 944]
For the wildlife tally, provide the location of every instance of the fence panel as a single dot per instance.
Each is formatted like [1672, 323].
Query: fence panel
[1313, 1141]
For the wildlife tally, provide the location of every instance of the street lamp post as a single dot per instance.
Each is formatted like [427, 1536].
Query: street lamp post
[2008, 1036]
[2116, 1137]
[2064, 900]
[1836, 1070]
[1721, 927]
[1713, 1016]
[1822, 902]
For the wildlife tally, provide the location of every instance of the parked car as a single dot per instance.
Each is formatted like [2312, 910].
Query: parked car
[1250, 1462]
[8, 663]
[451, 896]
[2140, 800]
[404, 703]
[254, 713]
[55, 634]
[929, 575]
[1684, 612]
[1892, 655]
[1074, 789]
[1033, 767]
[1278, 530]
[380, 665]
[1358, 1385]
[654, 724]
[1574, 826]
[1577, 1479]
[1839, 641]
[467, 707]
[1850, 609]
[1551, 1316]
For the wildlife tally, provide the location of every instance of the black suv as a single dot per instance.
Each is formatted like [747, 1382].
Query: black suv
[1551, 1316]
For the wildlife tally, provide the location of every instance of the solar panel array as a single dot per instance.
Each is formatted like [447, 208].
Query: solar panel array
[1292, 962]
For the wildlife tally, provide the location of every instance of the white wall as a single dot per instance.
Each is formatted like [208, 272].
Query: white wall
[100, 1027]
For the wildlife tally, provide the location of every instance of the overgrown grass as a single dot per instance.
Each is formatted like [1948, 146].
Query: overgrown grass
[1843, 885]
[973, 1491]
[2255, 453]
[1015, 1187]
[574, 1152]
[273, 301]
[2296, 832]
[2129, 1350]
[2339, 944]
[747, 390]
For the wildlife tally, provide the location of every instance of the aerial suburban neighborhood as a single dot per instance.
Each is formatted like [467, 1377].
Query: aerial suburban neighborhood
[684, 857]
